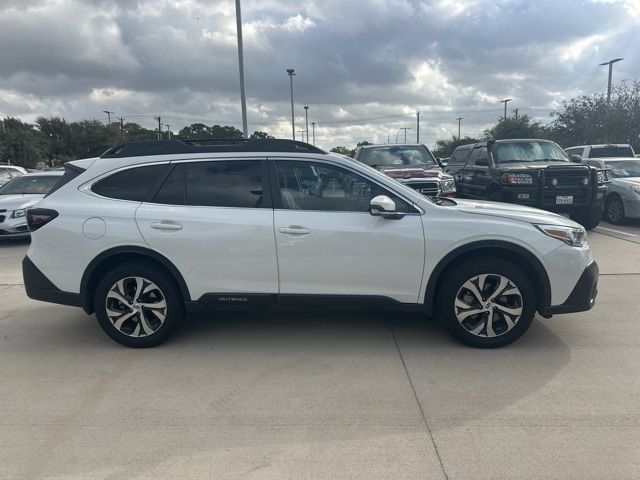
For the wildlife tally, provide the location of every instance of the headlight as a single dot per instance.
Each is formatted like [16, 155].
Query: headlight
[448, 186]
[603, 176]
[518, 178]
[576, 237]
[635, 188]
[19, 213]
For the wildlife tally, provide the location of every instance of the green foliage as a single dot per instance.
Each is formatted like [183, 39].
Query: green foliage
[523, 127]
[343, 151]
[364, 142]
[258, 135]
[200, 130]
[444, 148]
[20, 143]
[590, 120]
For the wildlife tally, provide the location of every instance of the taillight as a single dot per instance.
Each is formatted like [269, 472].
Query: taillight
[39, 217]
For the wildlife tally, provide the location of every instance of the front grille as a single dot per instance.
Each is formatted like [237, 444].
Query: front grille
[568, 183]
[430, 189]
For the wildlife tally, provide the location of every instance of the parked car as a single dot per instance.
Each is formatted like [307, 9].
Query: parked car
[20, 194]
[530, 172]
[623, 195]
[601, 151]
[152, 230]
[409, 163]
[9, 172]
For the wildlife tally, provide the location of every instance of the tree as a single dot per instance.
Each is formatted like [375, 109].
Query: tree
[20, 143]
[343, 151]
[258, 135]
[510, 127]
[364, 142]
[201, 131]
[590, 120]
[56, 139]
[444, 148]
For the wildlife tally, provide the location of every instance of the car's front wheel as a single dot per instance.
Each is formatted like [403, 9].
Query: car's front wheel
[488, 302]
[138, 305]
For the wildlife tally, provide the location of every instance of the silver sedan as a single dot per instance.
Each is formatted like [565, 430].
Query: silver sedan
[623, 195]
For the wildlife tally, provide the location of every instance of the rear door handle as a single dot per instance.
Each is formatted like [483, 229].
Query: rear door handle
[166, 225]
[295, 230]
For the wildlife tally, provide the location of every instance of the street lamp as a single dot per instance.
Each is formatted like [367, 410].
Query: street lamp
[291, 73]
[459, 121]
[108, 116]
[610, 63]
[505, 101]
[313, 132]
[306, 120]
[243, 97]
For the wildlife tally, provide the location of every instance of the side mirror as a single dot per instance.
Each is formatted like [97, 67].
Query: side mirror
[576, 158]
[482, 162]
[383, 206]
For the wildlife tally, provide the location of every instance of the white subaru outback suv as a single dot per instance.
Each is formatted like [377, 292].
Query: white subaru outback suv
[153, 230]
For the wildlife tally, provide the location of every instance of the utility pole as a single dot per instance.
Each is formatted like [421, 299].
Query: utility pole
[168, 131]
[108, 116]
[159, 127]
[516, 110]
[417, 127]
[121, 126]
[459, 122]
[313, 132]
[405, 133]
[301, 132]
[291, 73]
[388, 139]
[610, 63]
[243, 97]
[306, 119]
[505, 101]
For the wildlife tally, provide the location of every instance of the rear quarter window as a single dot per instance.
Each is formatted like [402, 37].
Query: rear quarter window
[133, 184]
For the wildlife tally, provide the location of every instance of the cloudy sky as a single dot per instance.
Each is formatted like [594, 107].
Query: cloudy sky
[363, 66]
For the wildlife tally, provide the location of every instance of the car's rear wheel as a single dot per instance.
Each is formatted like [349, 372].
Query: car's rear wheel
[487, 302]
[138, 305]
[614, 210]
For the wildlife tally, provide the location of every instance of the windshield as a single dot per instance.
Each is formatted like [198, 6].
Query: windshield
[626, 168]
[397, 156]
[611, 151]
[29, 185]
[533, 151]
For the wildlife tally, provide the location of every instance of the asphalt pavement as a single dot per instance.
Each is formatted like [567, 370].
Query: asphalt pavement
[324, 394]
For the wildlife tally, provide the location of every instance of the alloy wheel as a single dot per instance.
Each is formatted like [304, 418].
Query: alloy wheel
[488, 305]
[136, 306]
[615, 210]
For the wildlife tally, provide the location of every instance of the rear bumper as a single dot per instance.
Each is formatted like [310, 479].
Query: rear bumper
[39, 287]
[583, 295]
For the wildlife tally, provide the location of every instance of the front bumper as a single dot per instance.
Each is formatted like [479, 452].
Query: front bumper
[545, 198]
[13, 227]
[582, 297]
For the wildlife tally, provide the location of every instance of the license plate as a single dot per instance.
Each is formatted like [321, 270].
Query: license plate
[564, 199]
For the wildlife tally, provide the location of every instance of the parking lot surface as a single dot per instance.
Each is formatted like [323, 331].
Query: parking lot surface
[324, 394]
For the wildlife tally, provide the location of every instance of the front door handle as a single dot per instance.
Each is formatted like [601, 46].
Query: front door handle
[295, 230]
[166, 225]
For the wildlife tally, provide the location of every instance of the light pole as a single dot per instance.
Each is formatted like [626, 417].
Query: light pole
[505, 101]
[313, 132]
[243, 98]
[405, 133]
[610, 63]
[159, 119]
[108, 116]
[417, 127]
[168, 131]
[306, 120]
[459, 121]
[301, 132]
[291, 73]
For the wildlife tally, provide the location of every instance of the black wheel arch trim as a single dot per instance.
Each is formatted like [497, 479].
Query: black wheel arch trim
[543, 300]
[87, 295]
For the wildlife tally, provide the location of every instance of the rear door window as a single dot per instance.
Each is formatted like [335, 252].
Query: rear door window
[459, 157]
[610, 151]
[133, 184]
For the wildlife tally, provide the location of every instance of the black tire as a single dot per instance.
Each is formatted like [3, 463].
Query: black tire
[133, 331]
[496, 268]
[588, 217]
[495, 196]
[614, 210]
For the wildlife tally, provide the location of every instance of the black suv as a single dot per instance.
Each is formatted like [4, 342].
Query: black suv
[530, 172]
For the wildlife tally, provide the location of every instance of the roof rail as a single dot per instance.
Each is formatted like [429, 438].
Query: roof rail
[208, 145]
